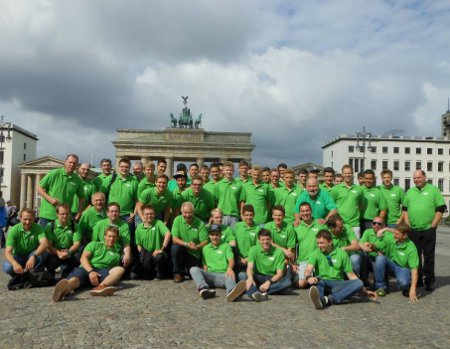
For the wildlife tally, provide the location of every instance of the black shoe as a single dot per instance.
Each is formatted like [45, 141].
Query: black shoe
[207, 293]
[430, 286]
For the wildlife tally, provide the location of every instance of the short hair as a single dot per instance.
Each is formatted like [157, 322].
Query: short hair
[369, 172]
[98, 193]
[163, 175]
[264, 232]
[216, 210]
[403, 228]
[338, 175]
[303, 171]
[26, 210]
[215, 164]
[324, 234]
[149, 164]
[282, 165]
[228, 164]
[256, 168]
[304, 203]
[161, 161]
[386, 171]
[197, 178]
[187, 204]
[113, 229]
[111, 204]
[72, 156]
[194, 164]
[148, 207]
[139, 163]
[360, 174]
[331, 221]
[279, 208]
[265, 169]
[248, 208]
[62, 205]
[347, 166]
[146, 160]
[125, 160]
[289, 171]
[204, 167]
[243, 163]
[102, 161]
[328, 170]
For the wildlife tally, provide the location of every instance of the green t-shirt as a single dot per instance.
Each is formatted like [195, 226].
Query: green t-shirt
[325, 187]
[144, 184]
[151, 238]
[58, 184]
[345, 238]
[246, 237]
[403, 254]
[394, 199]
[259, 197]
[89, 188]
[102, 257]
[177, 199]
[160, 203]
[284, 237]
[421, 205]
[124, 192]
[227, 197]
[24, 242]
[371, 236]
[266, 263]
[306, 238]
[216, 257]
[321, 205]
[88, 220]
[101, 182]
[348, 201]
[124, 233]
[287, 198]
[63, 237]
[210, 187]
[332, 266]
[203, 204]
[196, 232]
[373, 202]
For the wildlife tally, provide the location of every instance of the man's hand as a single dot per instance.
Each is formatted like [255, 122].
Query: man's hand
[156, 252]
[413, 296]
[53, 201]
[366, 246]
[18, 268]
[94, 278]
[372, 295]
[312, 280]
[126, 260]
[265, 286]
[230, 274]
[296, 222]
[192, 246]
[248, 283]
[131, 218]
[30, 262]
[321, 221]
[62, 254]
[289, 255]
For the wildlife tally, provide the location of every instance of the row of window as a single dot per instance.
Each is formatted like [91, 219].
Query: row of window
[396, 150]
[358, 165]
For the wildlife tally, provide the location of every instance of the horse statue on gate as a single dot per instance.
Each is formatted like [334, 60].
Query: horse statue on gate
[185, 119]
[173, 120]
[198, 121]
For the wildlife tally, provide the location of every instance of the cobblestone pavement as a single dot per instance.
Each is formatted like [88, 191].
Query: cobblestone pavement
[149, 314]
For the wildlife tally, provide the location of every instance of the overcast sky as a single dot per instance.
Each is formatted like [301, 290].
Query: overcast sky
[294, 73]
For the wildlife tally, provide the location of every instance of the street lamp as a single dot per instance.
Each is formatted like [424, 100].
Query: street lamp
[361, 139]
[5, 136]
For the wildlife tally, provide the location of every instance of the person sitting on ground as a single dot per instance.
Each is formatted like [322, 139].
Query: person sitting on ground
[100, 267]
[400, 259]
[64, 236]
[218, 265]
[26, 245]
[152, 240]
[265, 269]
[330, 264]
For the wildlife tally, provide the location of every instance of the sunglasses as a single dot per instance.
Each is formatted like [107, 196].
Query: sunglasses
[377, 223]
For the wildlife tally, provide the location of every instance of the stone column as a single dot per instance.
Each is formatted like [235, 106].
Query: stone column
[169, 170]
[23, 190]
[30, 191]
[200, 162]
[38, 179]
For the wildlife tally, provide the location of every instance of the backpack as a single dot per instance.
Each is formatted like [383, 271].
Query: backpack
[31, 279]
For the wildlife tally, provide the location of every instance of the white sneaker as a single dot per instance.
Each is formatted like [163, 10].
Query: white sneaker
[237, 291]
[315, 297]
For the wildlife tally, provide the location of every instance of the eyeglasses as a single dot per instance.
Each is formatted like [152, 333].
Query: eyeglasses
[377, 223]
[330, 262]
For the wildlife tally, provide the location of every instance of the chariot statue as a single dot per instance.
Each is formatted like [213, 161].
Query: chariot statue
[185, 119]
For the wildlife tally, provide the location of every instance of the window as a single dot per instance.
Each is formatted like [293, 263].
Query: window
[407, 183]
[331, 153]
[418, 165]
[429, 151]
[441, 184]
[430, 180]
[24, 145]
[429, 166]
[385, 150]
[357, 164]
[396, 181]
[407, 165]
[373, 149]
[351, 148]
[407, 150]
[373, 164]
[396, 165]
[24, 157]
[440, 151]
[418, 150]
[385, 165]
[440, 166]
[1, 156]
[396, 150]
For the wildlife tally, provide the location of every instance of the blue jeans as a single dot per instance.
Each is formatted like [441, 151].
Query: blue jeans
[206, 279]
[278, 287]
[339, 290]
[356, 263]
[22, 260]
[44, 221]
[182, 260]
[384, 266]
[230, 221]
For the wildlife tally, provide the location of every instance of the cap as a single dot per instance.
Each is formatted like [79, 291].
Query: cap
[180, 174]
[214, 228]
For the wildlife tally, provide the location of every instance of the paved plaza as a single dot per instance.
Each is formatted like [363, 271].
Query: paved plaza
[149, 314]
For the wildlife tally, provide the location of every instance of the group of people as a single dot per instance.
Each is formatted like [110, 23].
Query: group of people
[264, 232]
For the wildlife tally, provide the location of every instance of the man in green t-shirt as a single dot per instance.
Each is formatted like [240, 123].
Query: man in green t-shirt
[265, 269]
[328, 179]
[215, 178]
[400, 259]
[246, 235]
[138, 170]
[149, 180]
[227, 194]
[201, 199]
[256, 193]
[423, 208]
[152, 241]
[218, 265]
[65, 242]
[89, 188]
[181, 180]
[26, 245]
[100, 180]
[100, 267]
[60, 185]
[189, 235]
[393, 195]
[287, 195]
[330, 265]
[373, 203]
[282, 233]
[91, 216]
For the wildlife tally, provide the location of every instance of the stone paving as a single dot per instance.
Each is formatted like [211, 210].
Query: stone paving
[149, 314]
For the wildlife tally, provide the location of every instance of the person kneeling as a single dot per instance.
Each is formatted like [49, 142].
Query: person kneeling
[99, 267]
[218, 264]
[330, 264]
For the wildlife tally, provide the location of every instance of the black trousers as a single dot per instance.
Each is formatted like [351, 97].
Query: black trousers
[425, 242]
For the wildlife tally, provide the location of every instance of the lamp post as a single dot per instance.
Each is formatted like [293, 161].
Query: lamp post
[363, 138]
[5, 136]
